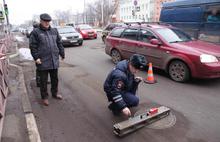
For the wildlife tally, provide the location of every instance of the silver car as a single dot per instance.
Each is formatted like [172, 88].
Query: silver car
[70, 36]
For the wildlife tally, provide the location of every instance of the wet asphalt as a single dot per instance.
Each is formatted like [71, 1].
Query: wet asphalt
[83, 115]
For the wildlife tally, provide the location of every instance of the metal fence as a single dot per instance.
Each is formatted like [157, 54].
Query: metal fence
[4, 44]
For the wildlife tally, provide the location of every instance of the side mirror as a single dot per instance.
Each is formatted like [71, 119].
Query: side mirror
[155, 41]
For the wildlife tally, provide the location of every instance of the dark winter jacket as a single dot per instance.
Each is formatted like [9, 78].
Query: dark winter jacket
[46, 45]
[119, 81]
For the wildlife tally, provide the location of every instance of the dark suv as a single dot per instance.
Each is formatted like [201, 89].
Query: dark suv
[168, 48]
[109, 28]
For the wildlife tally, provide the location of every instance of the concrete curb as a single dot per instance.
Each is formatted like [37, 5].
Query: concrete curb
[32, 129]
[2, 121]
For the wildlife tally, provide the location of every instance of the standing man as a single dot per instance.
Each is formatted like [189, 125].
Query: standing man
[36, 25]
[45, 44]
[121, 85]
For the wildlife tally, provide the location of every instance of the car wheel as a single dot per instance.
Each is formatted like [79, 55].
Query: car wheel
[116, 56]
[179, 71]
[80, 44]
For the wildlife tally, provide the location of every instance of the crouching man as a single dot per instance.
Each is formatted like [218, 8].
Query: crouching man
[121, 85]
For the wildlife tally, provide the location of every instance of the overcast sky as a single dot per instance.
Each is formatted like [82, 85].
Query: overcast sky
[21, 10]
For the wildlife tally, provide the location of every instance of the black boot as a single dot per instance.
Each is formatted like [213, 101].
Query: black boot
[114, 109]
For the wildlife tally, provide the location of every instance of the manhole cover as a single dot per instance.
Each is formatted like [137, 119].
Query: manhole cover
[163, 123]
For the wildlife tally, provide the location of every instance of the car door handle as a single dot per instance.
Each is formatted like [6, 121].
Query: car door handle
[168, 52]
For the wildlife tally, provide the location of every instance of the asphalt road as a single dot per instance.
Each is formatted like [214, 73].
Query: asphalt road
[83, 115]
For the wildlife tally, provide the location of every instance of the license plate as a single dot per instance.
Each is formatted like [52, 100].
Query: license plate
[72, 41]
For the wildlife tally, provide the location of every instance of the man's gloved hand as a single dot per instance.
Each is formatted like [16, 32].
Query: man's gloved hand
[126, 111]
[138, 79]
[38, 61]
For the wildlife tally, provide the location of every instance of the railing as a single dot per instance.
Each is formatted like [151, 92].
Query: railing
[4, 44]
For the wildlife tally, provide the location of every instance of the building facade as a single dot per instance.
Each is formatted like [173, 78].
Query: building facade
[140, 10]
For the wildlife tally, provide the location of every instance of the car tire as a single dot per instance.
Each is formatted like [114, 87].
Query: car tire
[179, 71]
[80, 43]
[116, 56]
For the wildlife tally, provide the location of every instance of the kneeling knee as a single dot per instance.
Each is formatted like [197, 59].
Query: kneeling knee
[135, 102]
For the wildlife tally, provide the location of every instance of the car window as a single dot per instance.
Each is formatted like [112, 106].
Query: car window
[174, 35]
[111, 27]
[146, 36]
[107, 28]
[66, 30]
[84, 27]
[130, 34]
[117, 32]
[213, 14]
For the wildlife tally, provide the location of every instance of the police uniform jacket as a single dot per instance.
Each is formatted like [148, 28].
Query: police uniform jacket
[46, 45]
[119, 81]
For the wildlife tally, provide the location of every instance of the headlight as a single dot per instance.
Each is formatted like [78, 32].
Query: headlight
[80, 36]
[64, 38]
[83, 32]
[205, 58]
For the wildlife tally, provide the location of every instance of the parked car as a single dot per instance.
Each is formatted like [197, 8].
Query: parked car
[193, 17]
[70, 36]
[71, 24]
[86, 31]
[168, 48]
[109, 28]
[28, 31]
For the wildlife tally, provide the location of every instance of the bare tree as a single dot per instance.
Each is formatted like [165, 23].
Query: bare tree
[63, 16]
[36, 18]
[94, 11]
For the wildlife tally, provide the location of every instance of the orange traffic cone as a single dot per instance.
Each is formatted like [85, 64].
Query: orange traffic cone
[150, 77]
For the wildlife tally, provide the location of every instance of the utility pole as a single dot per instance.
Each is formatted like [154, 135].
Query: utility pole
[84, 11]
[102, 13]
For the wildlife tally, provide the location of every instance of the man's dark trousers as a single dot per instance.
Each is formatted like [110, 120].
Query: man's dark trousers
[43, 82]
[37, 78]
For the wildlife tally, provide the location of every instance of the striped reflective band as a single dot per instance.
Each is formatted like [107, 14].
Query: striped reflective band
[119, 99]
[116, 97]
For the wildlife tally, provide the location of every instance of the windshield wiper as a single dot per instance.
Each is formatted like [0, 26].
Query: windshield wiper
[176, 41]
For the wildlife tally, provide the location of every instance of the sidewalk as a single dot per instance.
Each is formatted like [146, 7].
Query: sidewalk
[14, 128]
[19, 122]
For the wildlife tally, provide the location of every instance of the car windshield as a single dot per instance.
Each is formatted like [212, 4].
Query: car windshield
[174, 35]
[85, 27]
[66, 30]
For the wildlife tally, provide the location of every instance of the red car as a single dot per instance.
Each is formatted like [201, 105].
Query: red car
[86, 31]
[168, 48]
